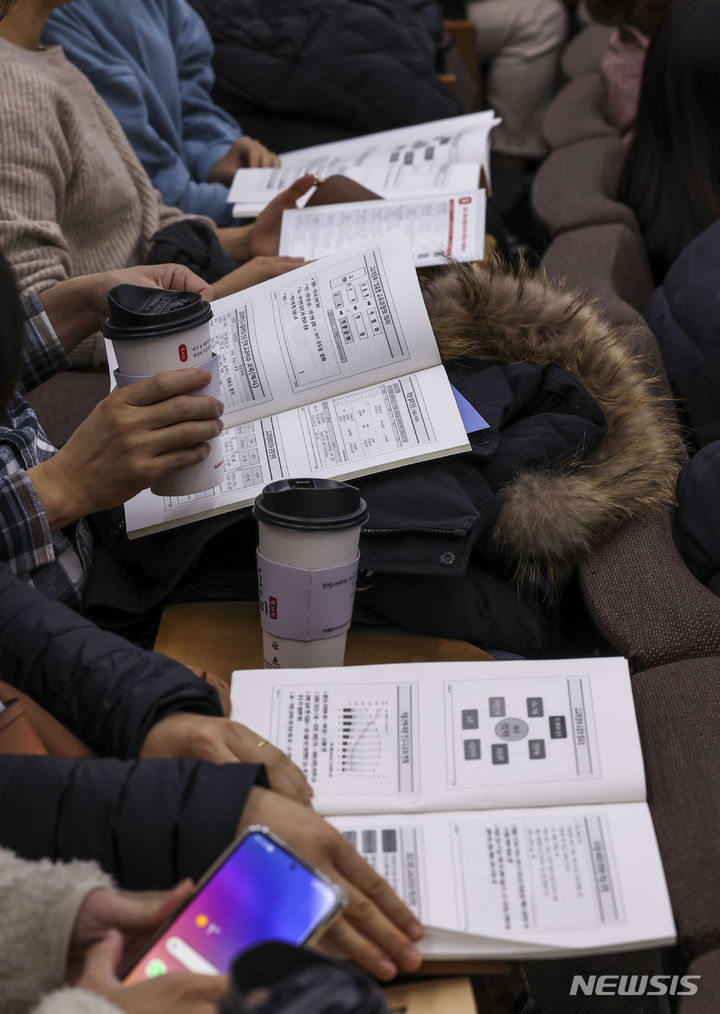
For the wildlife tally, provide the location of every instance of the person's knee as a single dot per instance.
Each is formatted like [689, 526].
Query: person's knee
[542, 26]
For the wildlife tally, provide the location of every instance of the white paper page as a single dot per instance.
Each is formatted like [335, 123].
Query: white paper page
[408, 419]
[456, 139]
[335, 325]
[252, 189]
[575, 878]
[456, 735]
[436, 228]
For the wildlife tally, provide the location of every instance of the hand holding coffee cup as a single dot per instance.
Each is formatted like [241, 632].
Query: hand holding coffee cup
[133, 437]
[156, 330]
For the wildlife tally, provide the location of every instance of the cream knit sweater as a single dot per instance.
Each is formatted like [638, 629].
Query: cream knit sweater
[39, 902]
[74, 199]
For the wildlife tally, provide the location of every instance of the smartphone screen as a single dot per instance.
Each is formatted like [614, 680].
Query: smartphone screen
[260, 891]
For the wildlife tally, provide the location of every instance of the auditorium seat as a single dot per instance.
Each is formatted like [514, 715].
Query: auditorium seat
[576, 185]
[583, 53]
[575, 113]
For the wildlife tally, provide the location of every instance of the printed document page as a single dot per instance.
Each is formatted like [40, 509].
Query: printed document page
[448, 736]
[456, 139]
[326, 328]
[523, 883]
[411, 418]
[253, 189]
[436, 228]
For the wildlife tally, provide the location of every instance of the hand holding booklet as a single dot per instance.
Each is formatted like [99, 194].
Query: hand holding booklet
[504, 802]
[330, 371]
[441, 156]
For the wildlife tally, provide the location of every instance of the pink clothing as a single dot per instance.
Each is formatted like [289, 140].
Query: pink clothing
[621, 72]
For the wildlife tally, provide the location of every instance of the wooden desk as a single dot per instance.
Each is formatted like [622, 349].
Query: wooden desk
[223, 636]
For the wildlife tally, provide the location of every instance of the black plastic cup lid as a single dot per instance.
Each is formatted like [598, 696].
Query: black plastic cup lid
[136, 311]
[311, 505]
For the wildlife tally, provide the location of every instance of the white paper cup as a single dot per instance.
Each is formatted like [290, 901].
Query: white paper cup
[207, 473]
[307, 567]
[140, 357]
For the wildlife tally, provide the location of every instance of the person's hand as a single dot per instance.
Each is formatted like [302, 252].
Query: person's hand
[244, 153]
[135, 915]
[257, 270]
[203, 737]
[78, 307]
[134, 437]
[175, 993]
[376, 930]
[265, 231]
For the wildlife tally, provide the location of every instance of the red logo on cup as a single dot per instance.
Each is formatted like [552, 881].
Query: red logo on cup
[273, 607]
[182, 352]
[465, 200]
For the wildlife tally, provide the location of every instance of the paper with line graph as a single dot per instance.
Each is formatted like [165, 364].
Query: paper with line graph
[503, 801]
[432, 736]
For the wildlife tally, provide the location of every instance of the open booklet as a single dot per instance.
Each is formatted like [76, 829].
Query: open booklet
[330, 371]
[437, 228]
[441, 156]
[503, 801]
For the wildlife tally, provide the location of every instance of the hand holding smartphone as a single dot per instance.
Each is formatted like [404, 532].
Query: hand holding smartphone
[257, 890]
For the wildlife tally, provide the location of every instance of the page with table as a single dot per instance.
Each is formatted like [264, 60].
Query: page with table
[327, 328]
[409, 419]
[437, 228]
[253, 189]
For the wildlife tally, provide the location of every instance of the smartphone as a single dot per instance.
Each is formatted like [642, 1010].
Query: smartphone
[257, 890]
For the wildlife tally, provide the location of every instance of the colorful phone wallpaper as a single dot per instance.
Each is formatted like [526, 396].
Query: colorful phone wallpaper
[258, 894]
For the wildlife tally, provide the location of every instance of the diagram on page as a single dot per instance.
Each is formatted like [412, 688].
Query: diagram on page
[242, 373]
[349, 738]
[338, 322]
[355, 427]
[520, 730]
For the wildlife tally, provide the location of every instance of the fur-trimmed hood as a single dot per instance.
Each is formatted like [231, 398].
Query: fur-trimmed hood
[549, 520]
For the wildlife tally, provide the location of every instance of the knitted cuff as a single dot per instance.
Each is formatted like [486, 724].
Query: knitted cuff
[75, 1001]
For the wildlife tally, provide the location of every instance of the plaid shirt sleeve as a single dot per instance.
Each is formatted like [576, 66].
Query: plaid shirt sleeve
[43, 353]
[56, 564]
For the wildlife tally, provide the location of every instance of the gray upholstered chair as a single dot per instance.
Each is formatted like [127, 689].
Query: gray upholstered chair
[62, 402]
[610, 260]
[576, 185]
[677, 709]
[583, 53]
[575, 113]
[707, 998]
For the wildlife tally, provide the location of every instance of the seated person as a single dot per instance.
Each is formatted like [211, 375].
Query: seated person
[74, 199]
[671, 177]
[64, 923]
[299, 72]
[151, 61]
[634, 23]
[519, 42]
[167, 794]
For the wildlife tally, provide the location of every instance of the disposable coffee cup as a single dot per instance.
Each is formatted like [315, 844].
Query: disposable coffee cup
[152, 330]
[307, 561]
[207, 473]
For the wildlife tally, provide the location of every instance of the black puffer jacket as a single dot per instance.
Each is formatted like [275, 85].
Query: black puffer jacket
[149, 823]
[301, 72]
[684, 316]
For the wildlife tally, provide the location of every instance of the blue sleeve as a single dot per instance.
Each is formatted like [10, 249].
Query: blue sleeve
[208, 131]
[166, 168]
